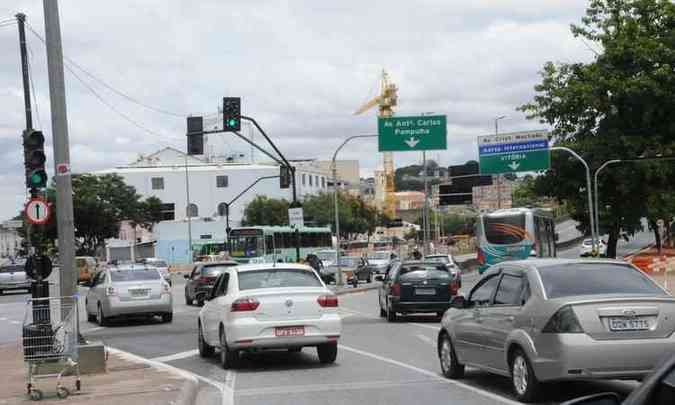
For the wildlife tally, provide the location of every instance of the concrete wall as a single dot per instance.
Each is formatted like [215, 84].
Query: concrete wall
[172, 237]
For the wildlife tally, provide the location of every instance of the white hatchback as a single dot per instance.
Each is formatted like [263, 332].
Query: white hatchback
[269, 306]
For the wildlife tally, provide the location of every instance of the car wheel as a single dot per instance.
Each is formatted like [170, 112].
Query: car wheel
[100, 318]
[295, 349]
[228, 358]
[369, 279]
[525, 383]
[383, 313]
[327, 352]
[440, 314]
[91, 317]
[1, 292]
[188, 300]
[168, 317]
[450, 367]
[205, 350]
[391, 314]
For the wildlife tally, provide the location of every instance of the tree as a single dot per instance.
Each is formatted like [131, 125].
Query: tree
[617, 107]
[266, 211]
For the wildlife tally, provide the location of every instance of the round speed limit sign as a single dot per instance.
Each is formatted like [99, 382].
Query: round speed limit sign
[37, 211]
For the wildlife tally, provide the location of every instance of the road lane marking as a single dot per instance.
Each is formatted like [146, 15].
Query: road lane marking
[350, 386]
[95, 329]
[176, 356]
[421, 325]
[369, 316]
[15, 322]
[3, 319]
[425, 339]
[432, 375]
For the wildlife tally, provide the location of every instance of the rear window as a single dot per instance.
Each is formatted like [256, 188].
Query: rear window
[213, 271]
[425, 274]
[277, 278]
[505, 230]
[572, 279]
[134, 275]
[423, 268]
[438, 259]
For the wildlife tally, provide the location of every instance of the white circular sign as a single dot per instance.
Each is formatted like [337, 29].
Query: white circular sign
[37, 211]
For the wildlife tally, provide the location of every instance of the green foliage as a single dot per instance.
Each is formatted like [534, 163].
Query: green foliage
[617, 107]
[410, 178]
[266, 211]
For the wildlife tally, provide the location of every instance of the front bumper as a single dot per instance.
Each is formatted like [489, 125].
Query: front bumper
[249, 333]
[114, 307]
[578, 356]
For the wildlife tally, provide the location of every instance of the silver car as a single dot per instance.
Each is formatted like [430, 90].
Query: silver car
[126, 291]
[551, 319]
[160, 265]
[13, 277]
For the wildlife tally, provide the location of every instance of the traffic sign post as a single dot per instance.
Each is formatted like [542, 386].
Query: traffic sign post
[37, 211]
[405, 134]
[296, 217]
[515, 152]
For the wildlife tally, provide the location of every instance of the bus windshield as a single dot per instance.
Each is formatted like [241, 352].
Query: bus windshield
[506, 230]
[245, 246]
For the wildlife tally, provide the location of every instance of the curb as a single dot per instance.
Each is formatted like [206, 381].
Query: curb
[355, 290]
[189, 390]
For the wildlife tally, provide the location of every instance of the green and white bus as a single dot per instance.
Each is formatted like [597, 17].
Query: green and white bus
[269, 244]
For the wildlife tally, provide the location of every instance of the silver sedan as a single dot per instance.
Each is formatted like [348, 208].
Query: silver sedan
[551, 319]
[128, 291]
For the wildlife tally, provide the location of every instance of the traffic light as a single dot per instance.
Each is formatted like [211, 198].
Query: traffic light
[231, 114]
[284, 177]
[195, 136]
[34, 159]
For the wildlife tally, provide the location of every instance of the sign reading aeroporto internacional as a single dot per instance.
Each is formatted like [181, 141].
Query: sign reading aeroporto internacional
[404, 134]
[513, 152]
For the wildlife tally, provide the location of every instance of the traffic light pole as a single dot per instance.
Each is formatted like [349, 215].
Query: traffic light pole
[232, 201]
[64, 190]
[21, 19]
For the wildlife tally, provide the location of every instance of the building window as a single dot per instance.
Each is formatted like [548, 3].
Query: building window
[310, 180]
[323, 182]
[304, 179]
[192, 210]
[222, 209]
[316, 180]
[168, 212]
[157, 183]
[221, 181]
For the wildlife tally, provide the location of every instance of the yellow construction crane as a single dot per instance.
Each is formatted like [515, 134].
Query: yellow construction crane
[387, 99]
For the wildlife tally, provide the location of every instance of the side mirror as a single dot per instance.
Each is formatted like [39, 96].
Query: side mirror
[458, 302]
[186, 276]
[605, 398]
[379, 277]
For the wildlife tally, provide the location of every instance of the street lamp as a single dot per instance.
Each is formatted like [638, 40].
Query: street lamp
[338, 270]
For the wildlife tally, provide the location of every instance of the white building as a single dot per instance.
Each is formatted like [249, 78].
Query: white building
[10, 241]
[212, 183]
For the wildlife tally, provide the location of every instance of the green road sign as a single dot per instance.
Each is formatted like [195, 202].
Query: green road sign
[403, 134]
[514, 152]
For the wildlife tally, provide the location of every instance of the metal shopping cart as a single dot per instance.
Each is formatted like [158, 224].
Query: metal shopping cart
[50, 342]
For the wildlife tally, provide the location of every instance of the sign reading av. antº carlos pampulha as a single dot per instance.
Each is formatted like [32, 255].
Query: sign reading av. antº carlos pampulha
[402, 134]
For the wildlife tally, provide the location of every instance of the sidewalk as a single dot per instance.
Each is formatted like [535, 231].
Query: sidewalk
[660, 267]
[127, 382]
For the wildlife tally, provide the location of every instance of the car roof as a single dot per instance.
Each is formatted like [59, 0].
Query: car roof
[546, 262]
[437, 255]
[271, 266]
[220, 263]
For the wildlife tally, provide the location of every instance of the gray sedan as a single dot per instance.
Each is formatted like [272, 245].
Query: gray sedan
[550, 319]
[128, 291]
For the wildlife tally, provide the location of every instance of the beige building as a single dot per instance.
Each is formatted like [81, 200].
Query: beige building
[347, 171]
[493, 197]
[409, 200]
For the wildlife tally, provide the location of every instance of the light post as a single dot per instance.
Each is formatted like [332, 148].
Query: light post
[595, 180]
[338, 269]
[588, 187]
[499, 176]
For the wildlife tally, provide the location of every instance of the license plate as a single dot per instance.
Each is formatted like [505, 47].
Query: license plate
[290, 331]
[139, 293]
[425, 291]
[624, 324]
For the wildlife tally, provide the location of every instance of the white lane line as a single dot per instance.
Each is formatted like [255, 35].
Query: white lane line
[432, 375]
[349, 386]
[421, 325]
[3, 319]
[176, 356]
[97, 328]
[425, 339]
[15, 322]
[228, 388]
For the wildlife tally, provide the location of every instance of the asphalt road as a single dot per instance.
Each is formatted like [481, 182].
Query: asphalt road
[623, 248]
[378, 362]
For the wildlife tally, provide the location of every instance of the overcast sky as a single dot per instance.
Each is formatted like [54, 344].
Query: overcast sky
[301, 67]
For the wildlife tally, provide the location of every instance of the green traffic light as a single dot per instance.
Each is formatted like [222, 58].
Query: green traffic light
[231, 123]
[38, 179]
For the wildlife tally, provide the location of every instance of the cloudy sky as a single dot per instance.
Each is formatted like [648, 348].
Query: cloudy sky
[301, 67]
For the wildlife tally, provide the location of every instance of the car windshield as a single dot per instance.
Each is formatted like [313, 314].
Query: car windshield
[134, 275]
[213, 271]
[571, 279]
[326, 255]
[438, 259]
[277, 278]
[379, 256]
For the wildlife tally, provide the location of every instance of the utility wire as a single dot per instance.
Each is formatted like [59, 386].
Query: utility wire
[110, 87]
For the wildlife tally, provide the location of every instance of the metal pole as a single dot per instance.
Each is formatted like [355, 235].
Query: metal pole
[499, 176]
[338, 269]
[425, 214]
[64, 190]
[590, 193]
[597, 207]
[295, 204]
[187, 210]
[21, 18]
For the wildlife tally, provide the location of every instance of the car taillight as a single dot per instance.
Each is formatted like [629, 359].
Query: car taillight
[110, 291]
[453, 287]
[245, 304]
[563, 321]
[328, 301]
[481, 256]
[396, 289]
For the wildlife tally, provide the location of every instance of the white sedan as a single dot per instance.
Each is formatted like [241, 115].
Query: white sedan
[269, 306]
[587, 248]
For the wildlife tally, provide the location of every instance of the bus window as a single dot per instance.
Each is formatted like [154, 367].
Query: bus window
[505, 230]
